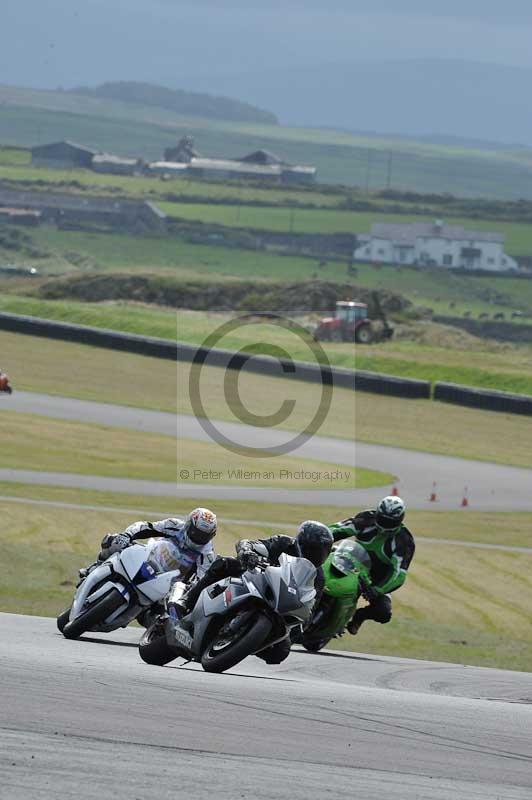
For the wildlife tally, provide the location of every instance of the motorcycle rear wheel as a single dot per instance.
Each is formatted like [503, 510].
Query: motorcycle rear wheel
[95, 614]
[224, 651]
[153, 647]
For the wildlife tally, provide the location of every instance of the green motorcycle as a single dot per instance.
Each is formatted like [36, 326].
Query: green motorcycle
[346, 571]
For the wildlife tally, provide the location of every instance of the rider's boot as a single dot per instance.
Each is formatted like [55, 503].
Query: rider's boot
[150, 614]
[353, 626]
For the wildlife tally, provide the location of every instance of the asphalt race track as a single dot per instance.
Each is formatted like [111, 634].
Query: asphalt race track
[491, 486]
[88, 719]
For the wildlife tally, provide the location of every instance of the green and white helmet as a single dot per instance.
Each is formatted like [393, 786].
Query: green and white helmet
[389, 514]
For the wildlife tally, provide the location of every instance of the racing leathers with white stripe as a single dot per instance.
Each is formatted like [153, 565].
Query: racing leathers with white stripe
[172, 548]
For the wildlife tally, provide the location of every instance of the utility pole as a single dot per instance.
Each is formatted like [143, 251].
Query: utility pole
[291, 225]
[389, 175]
[368, 170]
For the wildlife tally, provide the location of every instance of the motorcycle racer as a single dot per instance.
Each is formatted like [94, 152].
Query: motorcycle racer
[181, 544]
[314, 541]
[390, 546]
[4, 383]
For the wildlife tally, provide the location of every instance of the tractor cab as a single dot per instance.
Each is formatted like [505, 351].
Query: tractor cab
[350, 311]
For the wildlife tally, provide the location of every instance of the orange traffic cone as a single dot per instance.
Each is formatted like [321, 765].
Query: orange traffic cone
[465, 500]
[395, 491]
[433, 498]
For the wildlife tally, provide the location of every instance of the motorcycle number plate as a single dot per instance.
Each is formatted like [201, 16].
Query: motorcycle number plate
[183, 638]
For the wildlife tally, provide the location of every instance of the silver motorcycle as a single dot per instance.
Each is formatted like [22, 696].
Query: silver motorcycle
[235, 617]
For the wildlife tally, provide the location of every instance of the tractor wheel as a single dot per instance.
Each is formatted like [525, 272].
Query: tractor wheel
[364, 335]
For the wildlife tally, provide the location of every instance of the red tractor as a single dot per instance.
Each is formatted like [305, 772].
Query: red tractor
[352, 324]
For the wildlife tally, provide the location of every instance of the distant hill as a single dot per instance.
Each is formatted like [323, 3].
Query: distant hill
[185, 103]
[453, 99]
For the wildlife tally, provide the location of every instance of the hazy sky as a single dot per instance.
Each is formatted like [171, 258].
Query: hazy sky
[46, 43]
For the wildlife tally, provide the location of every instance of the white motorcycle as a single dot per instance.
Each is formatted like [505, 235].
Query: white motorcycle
[117, 591]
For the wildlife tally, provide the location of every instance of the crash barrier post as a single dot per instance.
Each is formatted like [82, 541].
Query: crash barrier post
[487, 399]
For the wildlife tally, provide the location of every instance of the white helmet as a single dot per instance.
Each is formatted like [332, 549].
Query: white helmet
[390, 514]
[199, 528]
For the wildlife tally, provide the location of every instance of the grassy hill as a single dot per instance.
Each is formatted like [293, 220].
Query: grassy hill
[179, 101]
[28, 117]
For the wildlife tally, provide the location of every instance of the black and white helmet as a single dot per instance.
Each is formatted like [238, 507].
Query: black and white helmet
[315, 541]
[390, 514]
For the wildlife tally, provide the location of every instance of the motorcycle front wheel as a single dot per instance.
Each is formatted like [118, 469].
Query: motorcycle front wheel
[95, 614]
[314, 645]
[62, 619]
[153, 647]
[230, 646]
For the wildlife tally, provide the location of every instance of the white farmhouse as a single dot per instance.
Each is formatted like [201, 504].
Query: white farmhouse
[434, 245]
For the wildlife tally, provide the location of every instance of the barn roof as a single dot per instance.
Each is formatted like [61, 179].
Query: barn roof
[407, 233]
[74, 145]
[261, 157]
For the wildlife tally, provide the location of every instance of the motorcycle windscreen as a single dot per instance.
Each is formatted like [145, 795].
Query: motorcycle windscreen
[295, 587]
[349, 557]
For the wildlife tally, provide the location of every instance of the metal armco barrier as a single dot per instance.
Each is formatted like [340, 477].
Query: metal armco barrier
[266, 365]
[487, 399]
[391, 385]
[98, 337]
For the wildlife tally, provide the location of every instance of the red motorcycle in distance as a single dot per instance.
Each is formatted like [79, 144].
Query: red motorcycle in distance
[5, 386]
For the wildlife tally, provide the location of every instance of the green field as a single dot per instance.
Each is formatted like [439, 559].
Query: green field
[28, 117]
[303, 220]
[15, 167]
[80, 448]
[442, 613]
[68, 251]
[445, 292]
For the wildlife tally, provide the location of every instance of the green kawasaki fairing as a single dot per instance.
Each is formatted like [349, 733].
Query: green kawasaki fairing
[346, 568]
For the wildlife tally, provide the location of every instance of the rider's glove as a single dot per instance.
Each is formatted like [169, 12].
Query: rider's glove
[369, 593]
[248, 558]
[115, 542]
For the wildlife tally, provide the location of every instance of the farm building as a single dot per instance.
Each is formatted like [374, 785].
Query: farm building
[62, 155]
[298, 174]
[183, 152]
[71, 210]
[261, 157]
[175, 168]
[261, 165]
[20, 216]
[114, 165]
[434, 245]
[223, 169]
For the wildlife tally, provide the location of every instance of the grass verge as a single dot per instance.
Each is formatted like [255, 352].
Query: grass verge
[47, 444]
[471, 609]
